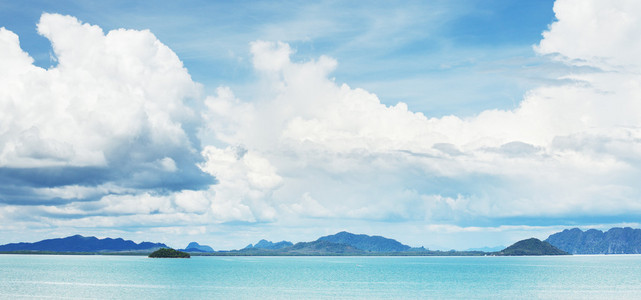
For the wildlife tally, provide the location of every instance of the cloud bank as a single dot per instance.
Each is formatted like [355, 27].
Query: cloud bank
[567, 150]
[117, 135]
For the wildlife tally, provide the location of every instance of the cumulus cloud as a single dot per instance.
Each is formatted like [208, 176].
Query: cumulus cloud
[247, 181]
[595, 33]
[113, 110]
[106, 137]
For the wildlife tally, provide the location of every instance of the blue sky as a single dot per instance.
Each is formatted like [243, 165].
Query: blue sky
[446, 124]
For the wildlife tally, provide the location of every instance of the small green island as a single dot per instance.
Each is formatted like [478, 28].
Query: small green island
[169, 253]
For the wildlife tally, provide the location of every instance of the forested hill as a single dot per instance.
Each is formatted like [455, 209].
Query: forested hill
[365, 242]
[531, 246]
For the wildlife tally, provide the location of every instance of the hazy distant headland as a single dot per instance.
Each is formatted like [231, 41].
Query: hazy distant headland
[573, 241]
[195, 247]
[81, 244]
[614, 241]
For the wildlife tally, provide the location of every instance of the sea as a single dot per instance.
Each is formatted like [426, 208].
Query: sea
[200, 277]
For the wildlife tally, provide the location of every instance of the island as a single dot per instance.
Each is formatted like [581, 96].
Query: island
[169, 253]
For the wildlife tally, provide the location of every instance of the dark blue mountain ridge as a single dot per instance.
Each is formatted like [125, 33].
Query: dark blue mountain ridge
[265, 244]
[79, 243]
[323, 247]
[617, 240]
[365, 242]
[195, 247]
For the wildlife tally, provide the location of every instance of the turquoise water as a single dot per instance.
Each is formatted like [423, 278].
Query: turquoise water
[135, 277]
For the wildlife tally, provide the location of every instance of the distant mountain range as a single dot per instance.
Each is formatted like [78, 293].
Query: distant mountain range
[265, 244]
[614, 241]
[340, 243]
[487, 249]
[78, 243]
[319, 247]
[195, 247]
[573, 241]
[365, 242]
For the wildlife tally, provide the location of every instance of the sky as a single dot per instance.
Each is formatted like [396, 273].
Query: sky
[444, 124]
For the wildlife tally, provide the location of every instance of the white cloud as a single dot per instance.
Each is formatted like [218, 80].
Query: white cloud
[111, 98]
[277, 55]
[111, 118]
[246, 182]
[535, 160]
[167, 164]
[308, 207]
[193, 201]
[14, 61]
[225, 115]
[595, 33]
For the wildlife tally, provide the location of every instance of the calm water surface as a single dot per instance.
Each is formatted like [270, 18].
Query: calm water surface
[134, 277]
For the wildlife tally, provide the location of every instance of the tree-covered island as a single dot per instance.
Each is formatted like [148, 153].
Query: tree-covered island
[169, 253]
